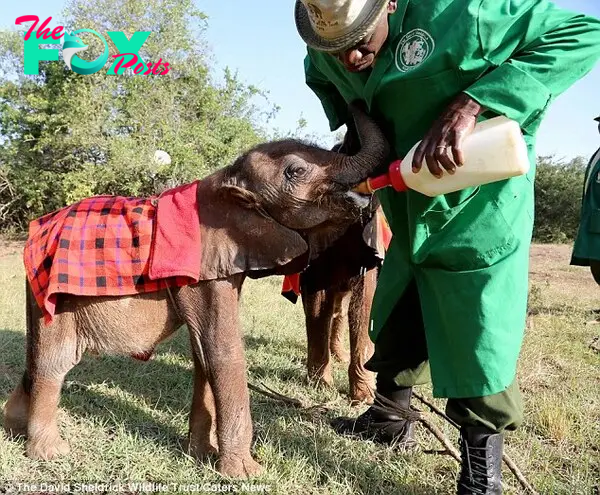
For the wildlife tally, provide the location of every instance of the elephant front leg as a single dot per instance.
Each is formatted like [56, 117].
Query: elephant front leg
[362, 381]
[318, 311]
[202, 433]
[234, 423]
[211, 312]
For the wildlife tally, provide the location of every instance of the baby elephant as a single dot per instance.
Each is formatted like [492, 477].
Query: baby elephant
[337, 290]
[271, 212]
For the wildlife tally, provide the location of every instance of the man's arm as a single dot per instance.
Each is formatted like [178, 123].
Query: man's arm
[537, 51]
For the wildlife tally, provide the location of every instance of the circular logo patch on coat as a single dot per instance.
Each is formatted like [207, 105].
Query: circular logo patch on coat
[413, 49]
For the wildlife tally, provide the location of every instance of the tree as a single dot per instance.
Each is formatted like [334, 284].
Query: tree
[67, 136]
[558, 191]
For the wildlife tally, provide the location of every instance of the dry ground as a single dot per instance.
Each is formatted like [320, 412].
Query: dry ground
[124, 419]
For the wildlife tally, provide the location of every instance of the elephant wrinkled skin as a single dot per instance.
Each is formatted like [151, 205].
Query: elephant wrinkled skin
[271, 212]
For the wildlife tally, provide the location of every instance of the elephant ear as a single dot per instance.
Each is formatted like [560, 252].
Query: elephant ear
[237, 236]
[377, 234]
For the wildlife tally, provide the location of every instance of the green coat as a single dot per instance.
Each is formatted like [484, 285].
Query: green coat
[587, 243]
[467, 251]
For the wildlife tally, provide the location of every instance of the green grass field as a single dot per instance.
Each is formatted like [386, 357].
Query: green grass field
[125, 419]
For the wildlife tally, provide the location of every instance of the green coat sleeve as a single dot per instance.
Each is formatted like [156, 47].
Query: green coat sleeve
[536, 51]
[333, 103]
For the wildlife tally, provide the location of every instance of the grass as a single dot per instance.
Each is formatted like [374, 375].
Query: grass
[124, 419]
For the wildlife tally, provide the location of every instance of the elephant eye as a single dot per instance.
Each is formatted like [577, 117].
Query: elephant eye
[295, 171]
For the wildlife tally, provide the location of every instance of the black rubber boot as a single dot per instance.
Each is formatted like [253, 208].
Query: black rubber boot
[481, 454]
[381, 427]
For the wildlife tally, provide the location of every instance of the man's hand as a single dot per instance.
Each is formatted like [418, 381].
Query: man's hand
[446, 136]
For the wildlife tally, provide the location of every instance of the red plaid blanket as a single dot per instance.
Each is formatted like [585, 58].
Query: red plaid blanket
[110, 246]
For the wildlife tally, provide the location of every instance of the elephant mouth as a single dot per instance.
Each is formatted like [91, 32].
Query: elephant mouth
[358, 200]
[352, 199]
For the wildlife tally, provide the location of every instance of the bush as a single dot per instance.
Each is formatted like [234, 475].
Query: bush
[558, 191]
[64, 136]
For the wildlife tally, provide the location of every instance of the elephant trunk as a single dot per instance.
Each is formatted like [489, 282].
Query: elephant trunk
[373, 153]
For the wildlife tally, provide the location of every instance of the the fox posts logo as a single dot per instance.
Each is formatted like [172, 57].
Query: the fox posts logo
[128, 48]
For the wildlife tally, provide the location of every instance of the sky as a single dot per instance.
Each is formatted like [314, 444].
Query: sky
[260, 42]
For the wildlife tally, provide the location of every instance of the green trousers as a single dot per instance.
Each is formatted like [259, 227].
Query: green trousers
[401, 357]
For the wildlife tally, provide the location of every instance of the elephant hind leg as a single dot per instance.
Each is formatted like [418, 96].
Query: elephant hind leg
[52, 353]
[339, 323]
[318, 311]
[362, 381]
[16, 410]
[202, 434]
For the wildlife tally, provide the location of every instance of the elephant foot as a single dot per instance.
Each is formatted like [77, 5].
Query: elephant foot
[321, 379]
[340, 355]
[362, 388]
[47, 449]
[15, 426]
[361, 395]
[15, 432]
[320, 374]
[199, 449]
[16, 414]
[239, 467]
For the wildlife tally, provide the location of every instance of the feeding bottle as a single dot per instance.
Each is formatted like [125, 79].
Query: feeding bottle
[494, 151]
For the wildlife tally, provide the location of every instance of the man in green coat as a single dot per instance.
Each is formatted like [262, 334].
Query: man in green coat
[586, 251]
[451, 299]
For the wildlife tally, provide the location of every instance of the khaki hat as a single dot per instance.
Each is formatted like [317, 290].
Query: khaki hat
[336, 25]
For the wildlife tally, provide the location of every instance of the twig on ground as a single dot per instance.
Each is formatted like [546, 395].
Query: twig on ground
[518, 474]
[439, 434]
[436, 452]
[272, 394]
[290, 401]
[393, 407]
[435, 409]
[415, 415]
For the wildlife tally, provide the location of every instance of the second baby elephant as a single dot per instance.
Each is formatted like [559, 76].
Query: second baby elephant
[337, 290]
[271, 212]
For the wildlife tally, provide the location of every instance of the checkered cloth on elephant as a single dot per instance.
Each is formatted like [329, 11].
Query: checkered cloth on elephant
[113, 245]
